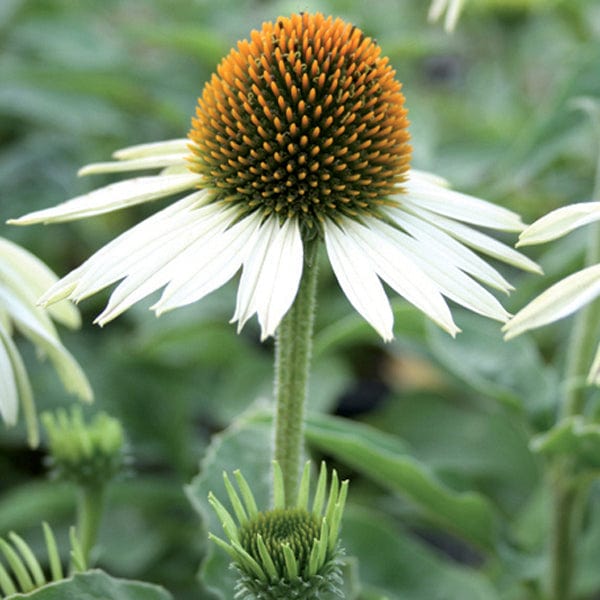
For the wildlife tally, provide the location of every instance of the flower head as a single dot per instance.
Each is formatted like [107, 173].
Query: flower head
[89, 454]
[22, 279]
[300, 135]
[290, 551]
[305, 121]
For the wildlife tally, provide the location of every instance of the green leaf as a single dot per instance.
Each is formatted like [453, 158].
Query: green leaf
[384, 459]
[399, 566]
[574, 438]
[97, 585]
[511, 372]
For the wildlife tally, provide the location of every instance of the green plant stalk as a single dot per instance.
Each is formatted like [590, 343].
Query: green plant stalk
[292, 357]
[90, 504]
[567, 495]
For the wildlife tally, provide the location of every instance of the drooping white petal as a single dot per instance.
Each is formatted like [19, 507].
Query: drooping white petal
[213, 264]
[452, 282]
[112, 197]
[23, 387]
[24, 272]
[557, 302]
[135, 164]
[271, 275]
[33, 324]
[480, 241]
[594, 374]
[400, 272]
[452, 8]
[453, 251]
[423, 193]
[152, 265]
[418, 175]
[559, 222]
[280, 278]
[178, 146]
[9, 399]
[113, 261]
[358, 280]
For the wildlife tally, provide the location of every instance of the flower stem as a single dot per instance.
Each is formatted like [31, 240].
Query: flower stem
[292, 357]
[568, 498]
[89, 512]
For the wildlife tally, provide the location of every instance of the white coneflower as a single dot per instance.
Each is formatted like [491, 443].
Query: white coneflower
[22, 279]
[571, 293]
[301, 135]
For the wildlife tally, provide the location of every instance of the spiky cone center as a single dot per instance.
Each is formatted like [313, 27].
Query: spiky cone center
[295, 528]
[304, 120]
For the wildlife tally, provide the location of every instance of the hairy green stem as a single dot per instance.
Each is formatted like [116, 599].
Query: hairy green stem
[568, 498]
[89, 513]
[292, 357]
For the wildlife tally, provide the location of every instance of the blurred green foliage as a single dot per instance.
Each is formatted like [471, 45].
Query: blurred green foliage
[490, 109]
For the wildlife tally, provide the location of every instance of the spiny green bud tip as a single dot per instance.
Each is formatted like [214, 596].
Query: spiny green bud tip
[285, 552]
[87, 453]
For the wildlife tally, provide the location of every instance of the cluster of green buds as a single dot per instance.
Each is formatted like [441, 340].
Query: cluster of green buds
[88, 454]
[290, 551]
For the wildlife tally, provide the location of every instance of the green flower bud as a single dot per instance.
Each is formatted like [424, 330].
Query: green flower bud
[89, 454]
[290, 551]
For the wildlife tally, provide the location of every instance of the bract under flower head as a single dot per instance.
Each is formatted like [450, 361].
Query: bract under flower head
[304, 120]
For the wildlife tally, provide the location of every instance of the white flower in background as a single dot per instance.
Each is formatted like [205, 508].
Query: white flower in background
[452, 8]
[300, 137]
[22, 279]
[570, 294]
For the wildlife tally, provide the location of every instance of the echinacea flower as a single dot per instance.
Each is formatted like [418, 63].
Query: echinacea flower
[571, 293]
[290, 551]
[300, 136]
[23, 278]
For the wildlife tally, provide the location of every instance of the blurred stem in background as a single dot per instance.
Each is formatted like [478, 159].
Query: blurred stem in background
[90, 505]
[292, 358]
[568, 494]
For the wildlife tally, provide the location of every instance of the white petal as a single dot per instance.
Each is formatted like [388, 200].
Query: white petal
[436, 9]
[400, 272]
[152, 266]
[358, 280]
[557, 302]
[113, 197]
[422, 193]
[480, 241]
[32, 277]
[9, 400]
[458, 254]
[418, 175]
[136, 164]
[594, 374]
[215, 263]
[560, 222]
[179, 146]
[114, 261]
[280, 278]
[32, 323]
[452, 282]
[271, 275]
